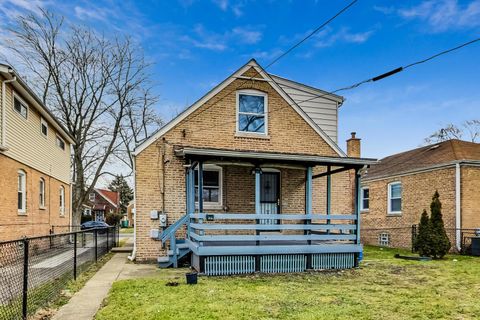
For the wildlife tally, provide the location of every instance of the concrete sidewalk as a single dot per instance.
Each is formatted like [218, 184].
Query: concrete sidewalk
[85, 303]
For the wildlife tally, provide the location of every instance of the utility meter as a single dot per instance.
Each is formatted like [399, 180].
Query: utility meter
[162, 219]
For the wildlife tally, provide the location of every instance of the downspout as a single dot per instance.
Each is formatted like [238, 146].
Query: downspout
[134, 251]
[458, 208]
[4, 112]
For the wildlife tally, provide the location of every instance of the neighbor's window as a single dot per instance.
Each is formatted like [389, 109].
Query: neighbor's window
[62, 200]
[91, 196]
[212, 189]
[22, 193]
[44, 127]
[384, 239]
[42, 193]
[20, 106]
[395, 197]
[365, 199]
[60, 143]
[252, 112]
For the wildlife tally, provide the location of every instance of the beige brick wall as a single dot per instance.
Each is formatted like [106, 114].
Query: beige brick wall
[214, 126]
[36, 221]
[417, 192]
[470, 204]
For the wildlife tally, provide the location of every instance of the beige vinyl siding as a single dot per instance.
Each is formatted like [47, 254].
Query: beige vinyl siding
[27, 144]
[323, 111]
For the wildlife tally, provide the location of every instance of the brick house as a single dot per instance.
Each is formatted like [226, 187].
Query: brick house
[249, 178]
[397, 189]
[34, 162]
[102, 202]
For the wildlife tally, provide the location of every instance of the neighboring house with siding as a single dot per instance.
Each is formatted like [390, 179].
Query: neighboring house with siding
[34, 162]
[250, 178]
[397, 189]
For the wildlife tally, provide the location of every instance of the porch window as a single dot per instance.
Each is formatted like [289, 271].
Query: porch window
[22, 193]
[252, 112]
[365, 199]
[394, 198]
[212, 185]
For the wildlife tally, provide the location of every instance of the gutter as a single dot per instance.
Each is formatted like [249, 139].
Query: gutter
[3, 145]
[134, 251]
[458, 208]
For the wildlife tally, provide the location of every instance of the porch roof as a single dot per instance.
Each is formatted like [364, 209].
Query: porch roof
[257, 156]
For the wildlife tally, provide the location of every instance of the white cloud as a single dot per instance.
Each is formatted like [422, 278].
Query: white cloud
[328, 38]
[247, 36]
[384, 10]
[13, 8]
[445, 14]
[222, 4]
[90, 13]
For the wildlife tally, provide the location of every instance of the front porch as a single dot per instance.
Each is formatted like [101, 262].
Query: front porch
[279, 230]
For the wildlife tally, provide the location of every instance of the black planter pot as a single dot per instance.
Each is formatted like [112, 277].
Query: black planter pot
[191, 277]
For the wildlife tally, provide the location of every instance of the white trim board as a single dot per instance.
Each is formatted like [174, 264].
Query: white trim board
[199, 103]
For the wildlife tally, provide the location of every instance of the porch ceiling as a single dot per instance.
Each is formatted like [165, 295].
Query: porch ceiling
[258, 157]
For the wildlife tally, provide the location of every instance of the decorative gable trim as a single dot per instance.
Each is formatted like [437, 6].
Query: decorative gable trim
[239, 74]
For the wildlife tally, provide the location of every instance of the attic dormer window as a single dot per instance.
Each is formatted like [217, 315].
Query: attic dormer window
[252, 112]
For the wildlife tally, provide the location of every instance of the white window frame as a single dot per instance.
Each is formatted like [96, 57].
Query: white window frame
[384, 239]
[207, 204]
[90, 196]
[362, 198]
[43, 123]
[22, 187]
[389, 192]
[41, 194]
[16, 96]
[62, 200]
[58, 138]
[250, 92]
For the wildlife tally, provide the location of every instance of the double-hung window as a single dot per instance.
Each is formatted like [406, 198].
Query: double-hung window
[212, 185]
[252, 112]
[22, 192]
[44, 127]
[20, 106]
[365, 199]
[60, 143]
[394, 198]
[62, 200]
[42, 193]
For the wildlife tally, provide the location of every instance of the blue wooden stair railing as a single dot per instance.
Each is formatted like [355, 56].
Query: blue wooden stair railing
[178, 247]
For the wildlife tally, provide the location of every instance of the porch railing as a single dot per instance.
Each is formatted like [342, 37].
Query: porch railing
[297, 233]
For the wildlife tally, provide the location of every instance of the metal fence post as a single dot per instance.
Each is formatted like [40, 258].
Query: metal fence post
[108, 235]
[75, 256]
[96, 244]
[25, 278]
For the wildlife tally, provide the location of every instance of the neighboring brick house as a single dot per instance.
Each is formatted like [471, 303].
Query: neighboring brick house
[34, 162]
[103, 202]
[251, 149]
[397, 189]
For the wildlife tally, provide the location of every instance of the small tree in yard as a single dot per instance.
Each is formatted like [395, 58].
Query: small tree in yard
[440, 242]
[423, 240]
[120, 185]
[432, 239]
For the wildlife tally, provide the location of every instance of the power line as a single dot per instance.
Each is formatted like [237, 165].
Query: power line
[356, 85]
[311, 34]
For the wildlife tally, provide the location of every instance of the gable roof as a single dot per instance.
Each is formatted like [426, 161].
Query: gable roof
[110, 196]
[238, 75]
[427, 157]
[21, 86]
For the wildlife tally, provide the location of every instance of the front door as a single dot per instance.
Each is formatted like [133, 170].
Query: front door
[269, 195]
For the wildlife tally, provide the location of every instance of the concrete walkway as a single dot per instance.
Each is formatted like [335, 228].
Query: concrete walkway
[85, 303]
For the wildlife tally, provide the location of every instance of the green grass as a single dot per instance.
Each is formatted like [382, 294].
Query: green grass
[126, 230]
[383, 288]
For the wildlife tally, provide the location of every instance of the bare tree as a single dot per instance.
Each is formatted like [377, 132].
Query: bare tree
[98, 87]
[469, 128]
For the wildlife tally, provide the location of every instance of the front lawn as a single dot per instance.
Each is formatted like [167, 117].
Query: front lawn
[383, 288]
[127, 230]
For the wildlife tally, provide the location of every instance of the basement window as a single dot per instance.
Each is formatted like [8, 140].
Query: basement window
[252, 112]
[384, 239]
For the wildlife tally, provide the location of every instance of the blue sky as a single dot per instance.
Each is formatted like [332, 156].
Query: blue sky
[196, 44]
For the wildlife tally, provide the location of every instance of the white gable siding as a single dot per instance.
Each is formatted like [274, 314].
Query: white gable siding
[323, 111]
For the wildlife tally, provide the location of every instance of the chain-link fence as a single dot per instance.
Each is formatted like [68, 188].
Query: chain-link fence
[404, 237]
[33, 271]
